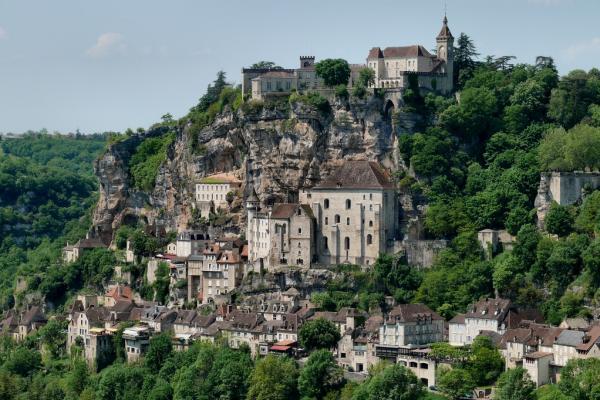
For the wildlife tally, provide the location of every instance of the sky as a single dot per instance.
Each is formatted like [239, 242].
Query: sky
[109, 65]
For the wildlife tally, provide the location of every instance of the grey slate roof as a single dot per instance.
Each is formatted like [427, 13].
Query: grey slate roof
[570, 338]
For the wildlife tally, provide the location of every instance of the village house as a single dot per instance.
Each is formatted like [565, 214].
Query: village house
[30, 320]
[137, 340]
[71, 253]
[213, 192]
[410, 326]
[222, 271]
[356, 213]
[489, 315]
[244, 329]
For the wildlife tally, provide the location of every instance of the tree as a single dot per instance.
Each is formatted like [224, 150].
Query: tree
[77, 379]
[579, 379]
[366, 77]
[588, 220]
[274, 378]
[320, 375]
[394, 382]
[456, 383]
[212, 93]
[464, 59]
[515, 384]
[158, 351]
[265, 65]
[319, 334]
[559, 220]
[53, 337]
[333, 71]
[23, 361]
[486, 362]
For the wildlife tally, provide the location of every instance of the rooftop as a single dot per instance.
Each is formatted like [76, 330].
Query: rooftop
[357, 175]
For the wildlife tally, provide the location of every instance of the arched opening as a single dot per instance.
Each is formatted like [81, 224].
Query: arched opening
[369, 239]
[370, 224]
[347, 243]
[348, 204]
[326, 203]
[389, 109]
[337, 219]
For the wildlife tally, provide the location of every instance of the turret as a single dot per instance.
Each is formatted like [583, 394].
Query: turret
[445, 50]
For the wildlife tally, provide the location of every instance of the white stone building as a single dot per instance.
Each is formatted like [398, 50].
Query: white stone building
[394, 65]
[212, 191]
[411, 326]
[356, 213]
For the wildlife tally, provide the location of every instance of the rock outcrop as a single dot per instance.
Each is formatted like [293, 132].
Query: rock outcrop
[277, 152]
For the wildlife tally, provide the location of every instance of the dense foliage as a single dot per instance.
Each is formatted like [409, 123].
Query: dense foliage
[47, 189]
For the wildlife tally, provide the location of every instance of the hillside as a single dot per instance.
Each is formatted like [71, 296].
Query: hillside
[47, 188]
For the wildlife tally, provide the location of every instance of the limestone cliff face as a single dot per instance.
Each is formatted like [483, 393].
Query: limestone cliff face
[276, 152]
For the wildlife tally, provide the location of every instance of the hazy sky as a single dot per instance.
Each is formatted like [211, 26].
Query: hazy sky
[114, 64]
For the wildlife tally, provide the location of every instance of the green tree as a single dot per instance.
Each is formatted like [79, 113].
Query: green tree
[456, 383]
[465, 54]
[274, 378]
[486, 362]
[318, 334]
[53, 337]
[320, 375]
[23, 361]
[394, 382]
[559, 220]
[158, 351]
[333, 71]
[588, 219]
[579, 379]
[265, 65]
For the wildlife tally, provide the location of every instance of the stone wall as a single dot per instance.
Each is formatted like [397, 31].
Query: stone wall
[565, 188]
[422, 253]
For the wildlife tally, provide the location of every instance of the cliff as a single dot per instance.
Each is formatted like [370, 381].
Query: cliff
[277, 150]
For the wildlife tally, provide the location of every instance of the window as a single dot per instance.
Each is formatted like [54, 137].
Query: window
[348, 204]
[299, 212]
[347, 243]
[348, 221]
[371, 224]
[369, 239]
[325, 245]
[337, 219]
[326, 203]
[370, 196]
[299, 231]
[326, 221]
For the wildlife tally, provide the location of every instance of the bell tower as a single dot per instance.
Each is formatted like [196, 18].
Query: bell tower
[445, 50]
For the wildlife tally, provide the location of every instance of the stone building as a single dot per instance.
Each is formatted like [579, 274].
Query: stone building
[411, 326]
[191, 243]
[212, 191]
[222, 271]
[356, 212]
[72, 253]
[261, 83]
[257, 233]
[137, 340]
[291, 233]
[394, 65]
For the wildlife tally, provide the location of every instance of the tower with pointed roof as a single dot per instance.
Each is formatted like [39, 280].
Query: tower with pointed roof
[445, 48]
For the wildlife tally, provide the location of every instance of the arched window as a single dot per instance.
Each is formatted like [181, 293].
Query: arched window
[347, 243]
[325, 244]
[348, 221]
[337, 219]
[326, 221]
[370, 223]
[369, 239]
[348, 204]
[326, 203]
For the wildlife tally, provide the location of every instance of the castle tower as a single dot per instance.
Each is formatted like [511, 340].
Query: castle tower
[307, 62]
[445, 51]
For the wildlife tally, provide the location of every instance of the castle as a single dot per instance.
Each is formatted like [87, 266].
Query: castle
[392, 67]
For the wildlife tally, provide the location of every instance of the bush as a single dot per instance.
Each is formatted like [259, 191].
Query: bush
[341, 91]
